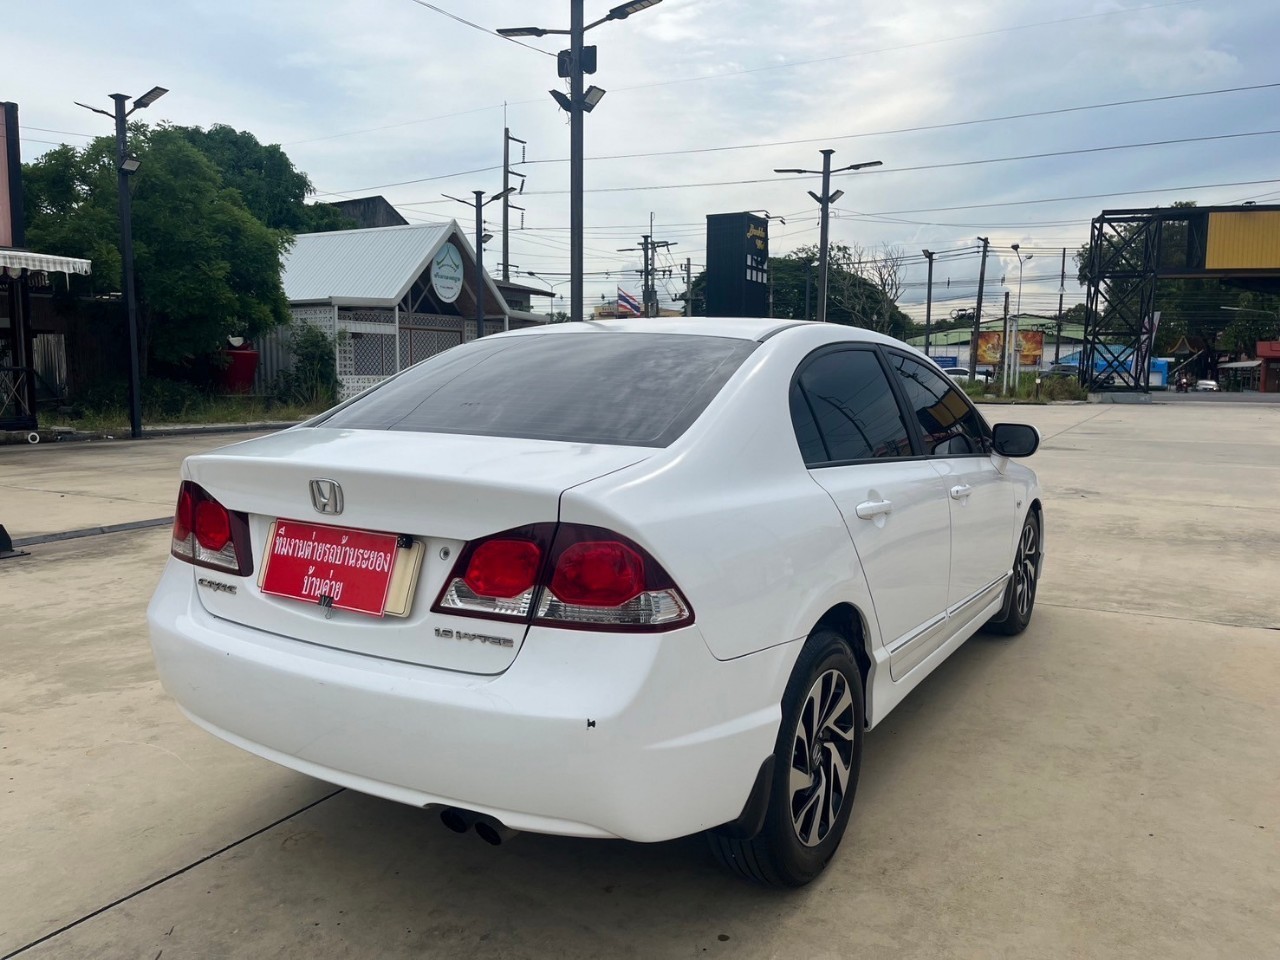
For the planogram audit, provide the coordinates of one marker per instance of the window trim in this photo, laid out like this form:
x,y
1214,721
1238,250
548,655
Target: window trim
x,y
913,423
913,433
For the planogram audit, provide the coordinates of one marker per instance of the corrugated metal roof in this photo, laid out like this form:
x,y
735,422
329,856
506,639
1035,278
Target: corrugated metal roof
x,y
373,267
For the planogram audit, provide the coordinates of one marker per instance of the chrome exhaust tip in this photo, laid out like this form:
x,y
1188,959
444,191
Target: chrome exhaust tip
x,y
493,832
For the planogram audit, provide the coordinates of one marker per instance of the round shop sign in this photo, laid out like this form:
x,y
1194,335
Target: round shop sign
x,y
446,273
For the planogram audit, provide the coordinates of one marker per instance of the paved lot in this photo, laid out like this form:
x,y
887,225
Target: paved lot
x,y
1106,785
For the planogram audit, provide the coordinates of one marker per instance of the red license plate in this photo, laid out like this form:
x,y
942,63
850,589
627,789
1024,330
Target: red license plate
x,y
311,562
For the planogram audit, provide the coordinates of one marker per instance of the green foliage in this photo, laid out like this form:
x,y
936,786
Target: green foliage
x,y
272,188
206,267
313,381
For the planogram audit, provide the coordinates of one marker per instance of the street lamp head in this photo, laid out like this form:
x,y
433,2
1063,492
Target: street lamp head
x,y
130,164
793,170
860,166
1014,248
624,10
591,97
835,196
150,97
522,32
563,100
486,237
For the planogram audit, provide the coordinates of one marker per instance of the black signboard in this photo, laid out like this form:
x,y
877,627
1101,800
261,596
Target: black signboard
x,y
737,265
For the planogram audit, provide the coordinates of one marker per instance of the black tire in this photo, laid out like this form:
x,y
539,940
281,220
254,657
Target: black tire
x,y
1020,595
778,856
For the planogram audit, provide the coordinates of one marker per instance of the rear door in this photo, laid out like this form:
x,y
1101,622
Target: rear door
x,y
957,441
894,503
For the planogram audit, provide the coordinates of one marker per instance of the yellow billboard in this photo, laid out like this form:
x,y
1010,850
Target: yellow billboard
x,y
1243,241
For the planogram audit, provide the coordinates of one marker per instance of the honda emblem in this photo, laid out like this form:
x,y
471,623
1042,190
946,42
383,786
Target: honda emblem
x,y
326,496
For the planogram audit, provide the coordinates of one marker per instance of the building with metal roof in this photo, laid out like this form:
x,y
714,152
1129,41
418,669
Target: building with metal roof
x,y
389,297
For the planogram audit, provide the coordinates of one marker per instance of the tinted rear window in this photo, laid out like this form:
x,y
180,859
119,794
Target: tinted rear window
x,y
634,389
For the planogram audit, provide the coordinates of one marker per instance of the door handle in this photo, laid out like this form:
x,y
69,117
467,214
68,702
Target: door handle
x,y
871,509
960,491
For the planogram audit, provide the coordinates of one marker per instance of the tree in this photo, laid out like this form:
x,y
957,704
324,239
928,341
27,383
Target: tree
x,y
206,267
273,189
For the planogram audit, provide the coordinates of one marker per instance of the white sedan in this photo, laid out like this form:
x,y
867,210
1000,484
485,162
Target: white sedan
x,y
638,579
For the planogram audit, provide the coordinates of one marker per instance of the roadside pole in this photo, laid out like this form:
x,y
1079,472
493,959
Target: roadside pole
x,y
977,313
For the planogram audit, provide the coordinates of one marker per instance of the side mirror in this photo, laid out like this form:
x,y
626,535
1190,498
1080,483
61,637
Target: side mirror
x,y
1015,439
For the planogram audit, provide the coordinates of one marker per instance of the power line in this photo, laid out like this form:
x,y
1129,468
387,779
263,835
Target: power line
x,y
928,166
476,26
917,129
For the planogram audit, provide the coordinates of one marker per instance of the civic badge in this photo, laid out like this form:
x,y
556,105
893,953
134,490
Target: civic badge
x,y
326,496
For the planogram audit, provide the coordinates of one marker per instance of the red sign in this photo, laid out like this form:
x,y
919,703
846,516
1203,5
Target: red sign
x,y
311,562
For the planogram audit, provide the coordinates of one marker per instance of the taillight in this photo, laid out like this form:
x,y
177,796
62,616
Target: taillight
x,y
566,575
497,577
208,534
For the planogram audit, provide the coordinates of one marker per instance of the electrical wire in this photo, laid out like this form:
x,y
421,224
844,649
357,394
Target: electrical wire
x,y
476,26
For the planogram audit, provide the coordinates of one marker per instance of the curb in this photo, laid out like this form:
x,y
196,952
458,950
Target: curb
x,y
92,531
177,430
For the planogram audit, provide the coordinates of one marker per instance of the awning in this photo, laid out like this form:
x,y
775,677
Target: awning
x,y
14,260
1240,365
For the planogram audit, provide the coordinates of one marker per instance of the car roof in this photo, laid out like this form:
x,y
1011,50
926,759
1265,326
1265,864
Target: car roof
x,y
738,328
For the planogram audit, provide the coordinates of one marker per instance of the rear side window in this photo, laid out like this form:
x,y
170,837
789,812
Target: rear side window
x,y
853,408
633,389
951,427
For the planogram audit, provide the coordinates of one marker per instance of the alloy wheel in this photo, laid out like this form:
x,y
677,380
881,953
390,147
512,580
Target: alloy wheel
x,y
821,758
1024,571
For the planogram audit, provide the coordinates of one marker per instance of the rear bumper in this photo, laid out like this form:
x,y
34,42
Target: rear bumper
x,y
643,737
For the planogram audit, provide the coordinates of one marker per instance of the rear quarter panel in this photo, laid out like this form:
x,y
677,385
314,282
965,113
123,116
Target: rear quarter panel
x,y
730,511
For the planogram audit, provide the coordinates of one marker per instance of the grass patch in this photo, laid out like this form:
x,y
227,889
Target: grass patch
x,y
114,418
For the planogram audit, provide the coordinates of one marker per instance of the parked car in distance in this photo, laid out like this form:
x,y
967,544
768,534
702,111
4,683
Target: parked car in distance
x,y
635,578
1207,386
1068,370
964,376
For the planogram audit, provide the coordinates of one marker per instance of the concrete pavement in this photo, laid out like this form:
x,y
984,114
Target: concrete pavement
x,y
1103,786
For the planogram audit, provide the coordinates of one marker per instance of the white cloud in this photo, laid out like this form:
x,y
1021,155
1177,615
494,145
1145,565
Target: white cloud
x,y
300,71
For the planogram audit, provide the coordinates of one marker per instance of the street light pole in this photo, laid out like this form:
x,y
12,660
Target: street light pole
x,y
126,263
573,64
126,166
928,302
824,202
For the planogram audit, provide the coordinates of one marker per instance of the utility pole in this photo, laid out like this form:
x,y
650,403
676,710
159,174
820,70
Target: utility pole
x,y
823,247
977,313
507,174
1062,289
824,202
808,287
1006,346
928,303
688,286
648,273
648,288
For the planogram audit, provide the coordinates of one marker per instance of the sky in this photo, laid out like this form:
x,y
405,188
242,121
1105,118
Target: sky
x,y
395,98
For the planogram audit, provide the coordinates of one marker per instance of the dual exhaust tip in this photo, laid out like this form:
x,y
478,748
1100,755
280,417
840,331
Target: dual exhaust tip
x,y
489,829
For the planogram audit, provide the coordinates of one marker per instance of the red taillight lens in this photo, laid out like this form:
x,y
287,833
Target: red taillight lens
x,y
564,575
213,525
598,574
184,517
503,568
207,534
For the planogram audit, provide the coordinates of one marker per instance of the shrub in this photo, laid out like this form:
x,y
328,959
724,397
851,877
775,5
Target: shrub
x,y
313,381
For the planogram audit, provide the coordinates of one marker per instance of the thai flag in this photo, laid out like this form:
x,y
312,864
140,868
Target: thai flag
x,y
628,305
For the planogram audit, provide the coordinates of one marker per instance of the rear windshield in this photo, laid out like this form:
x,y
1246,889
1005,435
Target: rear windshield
x,y
633,389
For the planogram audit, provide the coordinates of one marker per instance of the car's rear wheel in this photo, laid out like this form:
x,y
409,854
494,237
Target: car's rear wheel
x,y
815,774
1020,595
